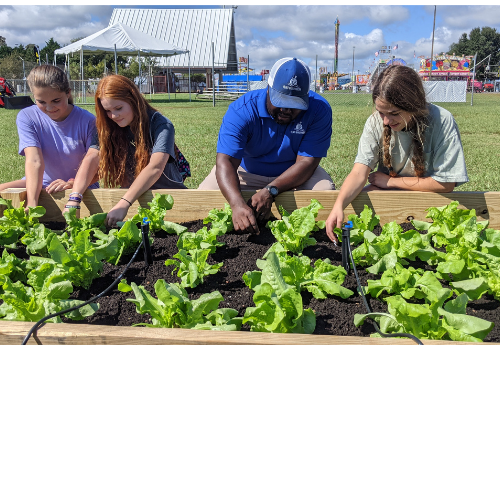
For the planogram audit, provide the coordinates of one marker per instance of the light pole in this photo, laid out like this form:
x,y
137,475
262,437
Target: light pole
x,y
352,79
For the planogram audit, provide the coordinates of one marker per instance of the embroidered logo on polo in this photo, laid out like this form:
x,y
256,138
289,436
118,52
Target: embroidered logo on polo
x,y
292,84
298,129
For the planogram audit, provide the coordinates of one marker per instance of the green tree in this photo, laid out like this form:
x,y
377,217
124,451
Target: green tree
x,y
2,41
11,66
49,49
483,41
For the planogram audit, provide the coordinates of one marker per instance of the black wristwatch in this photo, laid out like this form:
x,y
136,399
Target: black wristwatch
x,y
273,190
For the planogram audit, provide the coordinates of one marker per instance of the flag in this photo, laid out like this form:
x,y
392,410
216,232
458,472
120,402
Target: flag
x,y
37,54
395,47
376,53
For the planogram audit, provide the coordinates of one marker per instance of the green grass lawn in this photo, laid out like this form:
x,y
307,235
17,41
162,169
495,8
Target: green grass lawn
x,y
197,125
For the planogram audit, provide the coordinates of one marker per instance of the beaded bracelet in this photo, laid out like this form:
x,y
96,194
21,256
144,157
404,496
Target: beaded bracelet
x,y
127,201
78,194
75,198
72,206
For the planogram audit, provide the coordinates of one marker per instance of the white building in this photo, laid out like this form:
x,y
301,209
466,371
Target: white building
x,y
191,29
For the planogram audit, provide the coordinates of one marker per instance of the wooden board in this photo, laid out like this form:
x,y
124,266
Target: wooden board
x,y
13,333
193,204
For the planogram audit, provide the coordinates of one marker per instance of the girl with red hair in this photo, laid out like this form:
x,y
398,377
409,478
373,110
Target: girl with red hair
x,y
133,147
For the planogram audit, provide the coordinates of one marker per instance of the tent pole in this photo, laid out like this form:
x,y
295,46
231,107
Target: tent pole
x,y
213,74
116,64
168,82
189,74
140,76
81,72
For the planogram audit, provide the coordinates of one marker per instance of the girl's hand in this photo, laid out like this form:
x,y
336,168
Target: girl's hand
x,y
334,220
379,180
59,185
74,204
117,213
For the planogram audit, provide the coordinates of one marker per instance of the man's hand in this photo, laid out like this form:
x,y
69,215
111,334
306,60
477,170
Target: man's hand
x,y
262,203
244,219
379,180
59,185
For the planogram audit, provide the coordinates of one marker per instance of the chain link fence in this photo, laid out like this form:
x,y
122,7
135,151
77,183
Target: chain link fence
x,y
181,86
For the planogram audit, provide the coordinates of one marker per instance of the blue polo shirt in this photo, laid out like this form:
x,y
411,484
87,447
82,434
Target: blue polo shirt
x,y
249,133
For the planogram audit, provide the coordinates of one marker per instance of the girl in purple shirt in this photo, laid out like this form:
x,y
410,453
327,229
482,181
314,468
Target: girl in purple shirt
x,y
54,135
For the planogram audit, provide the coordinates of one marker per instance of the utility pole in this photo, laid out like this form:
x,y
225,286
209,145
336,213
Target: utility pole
x,y
432,46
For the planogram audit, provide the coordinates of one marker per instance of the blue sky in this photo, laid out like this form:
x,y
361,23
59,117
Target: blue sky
x,y
269,32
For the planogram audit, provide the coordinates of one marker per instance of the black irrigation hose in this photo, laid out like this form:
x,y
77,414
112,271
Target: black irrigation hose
x,y
43,320
367,306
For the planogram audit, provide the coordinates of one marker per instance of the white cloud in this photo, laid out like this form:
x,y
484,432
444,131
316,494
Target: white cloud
x,y
38,23
464,18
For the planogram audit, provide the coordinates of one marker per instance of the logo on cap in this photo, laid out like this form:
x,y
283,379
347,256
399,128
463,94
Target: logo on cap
x,y
292,84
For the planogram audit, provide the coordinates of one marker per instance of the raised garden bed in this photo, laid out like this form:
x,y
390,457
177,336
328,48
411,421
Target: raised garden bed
x,y
334,316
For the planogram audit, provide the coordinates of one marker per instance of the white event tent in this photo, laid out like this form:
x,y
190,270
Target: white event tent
x,y
121,39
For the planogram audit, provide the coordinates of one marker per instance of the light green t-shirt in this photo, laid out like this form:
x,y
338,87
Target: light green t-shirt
x,y
443,152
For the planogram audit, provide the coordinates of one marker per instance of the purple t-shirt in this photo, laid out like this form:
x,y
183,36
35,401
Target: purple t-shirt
x,y
63,144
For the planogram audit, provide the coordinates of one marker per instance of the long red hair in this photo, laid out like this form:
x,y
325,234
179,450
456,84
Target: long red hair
x,y
113,141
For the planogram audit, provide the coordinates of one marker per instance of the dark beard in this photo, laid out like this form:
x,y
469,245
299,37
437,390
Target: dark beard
x,y
278,120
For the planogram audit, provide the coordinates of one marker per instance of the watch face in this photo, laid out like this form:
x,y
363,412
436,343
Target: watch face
x,y
273,190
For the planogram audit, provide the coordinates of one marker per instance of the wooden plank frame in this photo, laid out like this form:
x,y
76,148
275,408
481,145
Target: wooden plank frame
x,y
194,204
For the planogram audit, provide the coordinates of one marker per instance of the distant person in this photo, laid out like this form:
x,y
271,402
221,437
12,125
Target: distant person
x,y
133,148
272,139
407,144
54,135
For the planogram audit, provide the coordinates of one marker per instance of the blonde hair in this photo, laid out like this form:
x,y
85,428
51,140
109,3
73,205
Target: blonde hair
x,y
47,76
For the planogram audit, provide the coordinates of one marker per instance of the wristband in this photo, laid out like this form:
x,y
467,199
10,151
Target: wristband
x,y
78,194
127,201
72,206
75,198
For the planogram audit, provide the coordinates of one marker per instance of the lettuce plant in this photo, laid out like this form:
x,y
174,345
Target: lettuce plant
x,y
321,280
156,212
220,219
15,222
174,309
293,230
430,321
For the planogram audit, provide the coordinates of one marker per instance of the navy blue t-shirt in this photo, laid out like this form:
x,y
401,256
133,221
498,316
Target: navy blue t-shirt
x,y
249,133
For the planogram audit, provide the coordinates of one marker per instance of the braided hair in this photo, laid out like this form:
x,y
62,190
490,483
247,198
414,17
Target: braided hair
x,y
402,87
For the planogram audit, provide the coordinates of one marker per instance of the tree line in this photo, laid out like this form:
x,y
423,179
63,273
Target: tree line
x,y
17,61
483,41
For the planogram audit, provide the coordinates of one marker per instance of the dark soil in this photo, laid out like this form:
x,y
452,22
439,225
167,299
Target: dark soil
x,y
334,316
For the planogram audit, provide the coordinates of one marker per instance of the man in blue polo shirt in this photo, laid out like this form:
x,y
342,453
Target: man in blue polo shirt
x,y
272,140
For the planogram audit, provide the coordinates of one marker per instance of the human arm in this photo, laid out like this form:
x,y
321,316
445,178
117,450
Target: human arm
x,y
34,168
294,176
148,176
85,175
227,177
351,187
384,181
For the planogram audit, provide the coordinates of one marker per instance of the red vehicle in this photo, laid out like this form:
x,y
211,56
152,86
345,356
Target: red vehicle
x,y
488,87
5,90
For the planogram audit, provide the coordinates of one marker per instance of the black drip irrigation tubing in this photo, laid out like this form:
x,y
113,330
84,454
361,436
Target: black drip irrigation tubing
x,y
346,249
147,258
